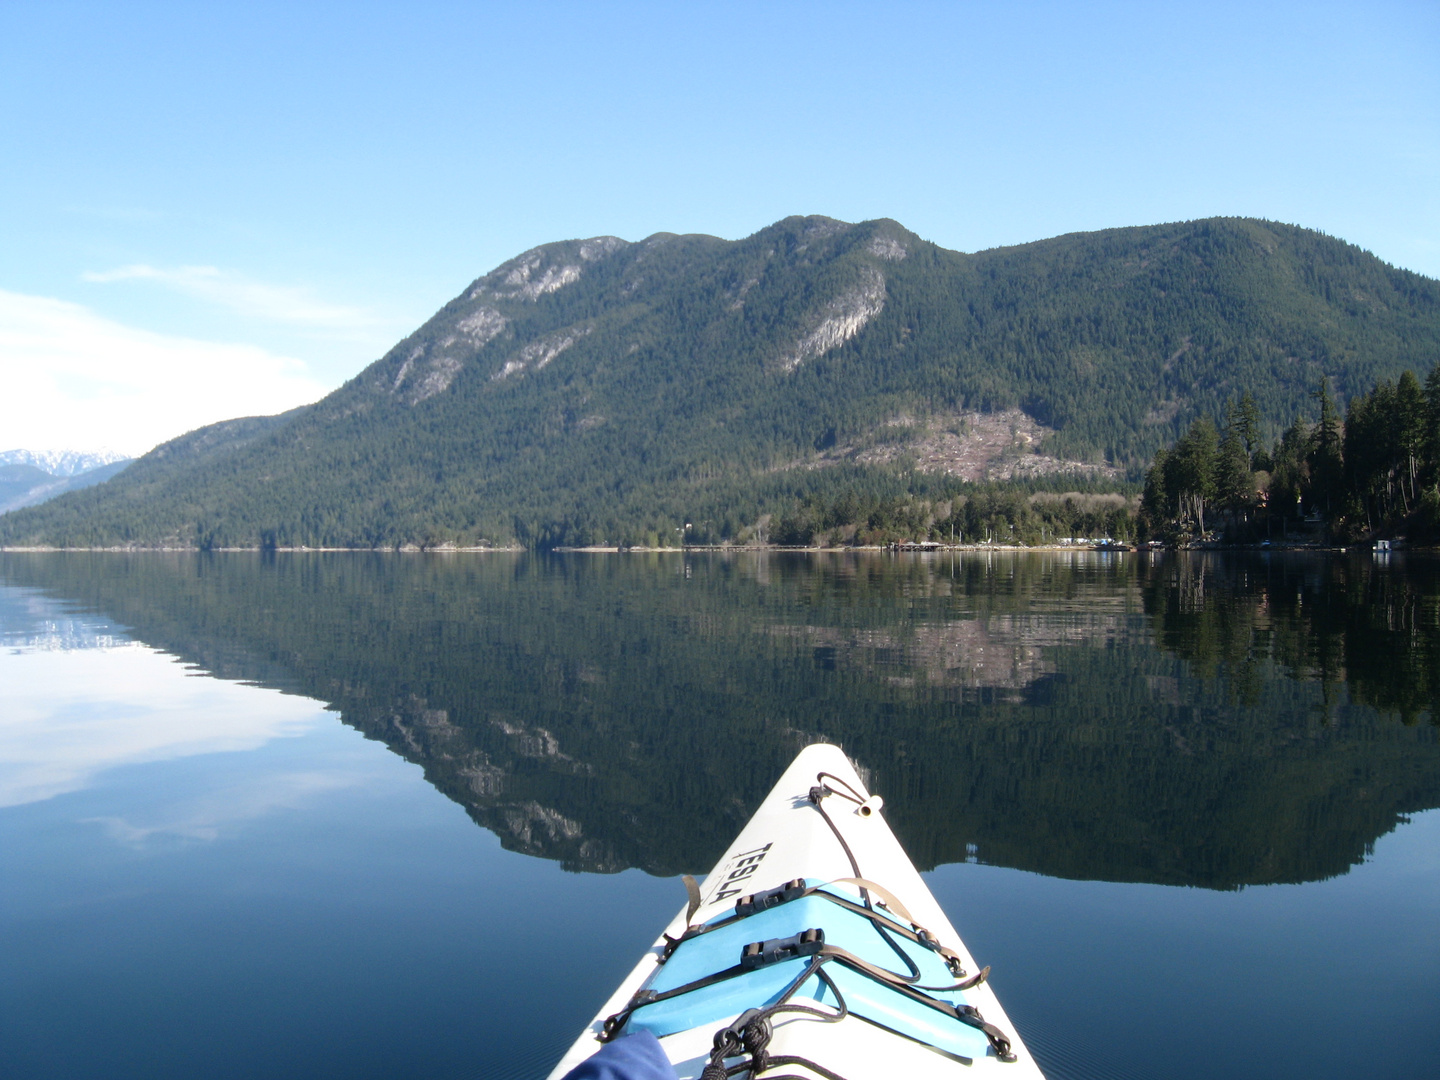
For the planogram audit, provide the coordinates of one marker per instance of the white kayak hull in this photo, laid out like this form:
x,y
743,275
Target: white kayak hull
x,y
787,839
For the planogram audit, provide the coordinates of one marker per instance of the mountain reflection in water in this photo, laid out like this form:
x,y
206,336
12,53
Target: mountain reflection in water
x,y
1211,721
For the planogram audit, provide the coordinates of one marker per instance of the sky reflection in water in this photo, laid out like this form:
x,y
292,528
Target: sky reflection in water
x,y
199,877
71,714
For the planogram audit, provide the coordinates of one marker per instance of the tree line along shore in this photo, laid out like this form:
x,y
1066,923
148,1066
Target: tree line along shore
x,y
1372,476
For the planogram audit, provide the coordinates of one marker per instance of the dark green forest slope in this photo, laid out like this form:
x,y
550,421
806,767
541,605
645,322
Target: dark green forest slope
x,y
604,391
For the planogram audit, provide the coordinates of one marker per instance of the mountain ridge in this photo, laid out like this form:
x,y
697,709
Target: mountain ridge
x,y
62,462
23,485
606,391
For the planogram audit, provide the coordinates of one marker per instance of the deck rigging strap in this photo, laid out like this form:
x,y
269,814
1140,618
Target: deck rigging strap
x,y
692,889
797,890
617,1021
811,943
917,933
889,899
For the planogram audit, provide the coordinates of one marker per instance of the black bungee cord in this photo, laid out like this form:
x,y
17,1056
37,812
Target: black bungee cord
x,y
751,1034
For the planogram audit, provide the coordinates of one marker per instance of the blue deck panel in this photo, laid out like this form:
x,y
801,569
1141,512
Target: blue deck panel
x,y
720,949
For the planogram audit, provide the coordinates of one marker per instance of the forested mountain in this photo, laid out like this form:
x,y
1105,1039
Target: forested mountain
x,y
604,391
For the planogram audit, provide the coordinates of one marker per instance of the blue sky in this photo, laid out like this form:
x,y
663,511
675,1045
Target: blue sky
x,y
215,209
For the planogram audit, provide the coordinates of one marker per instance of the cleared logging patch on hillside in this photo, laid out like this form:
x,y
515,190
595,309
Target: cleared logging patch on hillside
x,y
971,446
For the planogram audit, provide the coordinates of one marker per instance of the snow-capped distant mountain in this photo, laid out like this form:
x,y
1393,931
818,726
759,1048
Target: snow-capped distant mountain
x,y
23,484
61,462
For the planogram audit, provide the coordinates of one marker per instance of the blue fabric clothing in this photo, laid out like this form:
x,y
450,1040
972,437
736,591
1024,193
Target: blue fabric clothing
x,y
630,1057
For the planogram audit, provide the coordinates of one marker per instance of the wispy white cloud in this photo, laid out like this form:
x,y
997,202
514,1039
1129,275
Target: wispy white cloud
x,y
76,380
253,299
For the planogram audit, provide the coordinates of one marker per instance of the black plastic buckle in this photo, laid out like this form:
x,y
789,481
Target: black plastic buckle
x,y
760,954
781,894
613,1023
969,1014
673,943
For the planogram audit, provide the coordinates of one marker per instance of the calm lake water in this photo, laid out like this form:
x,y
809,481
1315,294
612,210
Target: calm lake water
x,y
380,816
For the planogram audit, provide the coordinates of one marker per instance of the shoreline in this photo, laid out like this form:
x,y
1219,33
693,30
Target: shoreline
x,y
450,549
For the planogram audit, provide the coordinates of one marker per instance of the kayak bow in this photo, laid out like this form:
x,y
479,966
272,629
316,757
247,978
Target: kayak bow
x,y
813,949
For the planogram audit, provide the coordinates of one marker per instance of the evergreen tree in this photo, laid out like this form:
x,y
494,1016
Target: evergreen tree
x,y
1431,432
1191,469
1234,483
1325,456
1410,408
1245,421
1291,476
1369,453
1156,505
